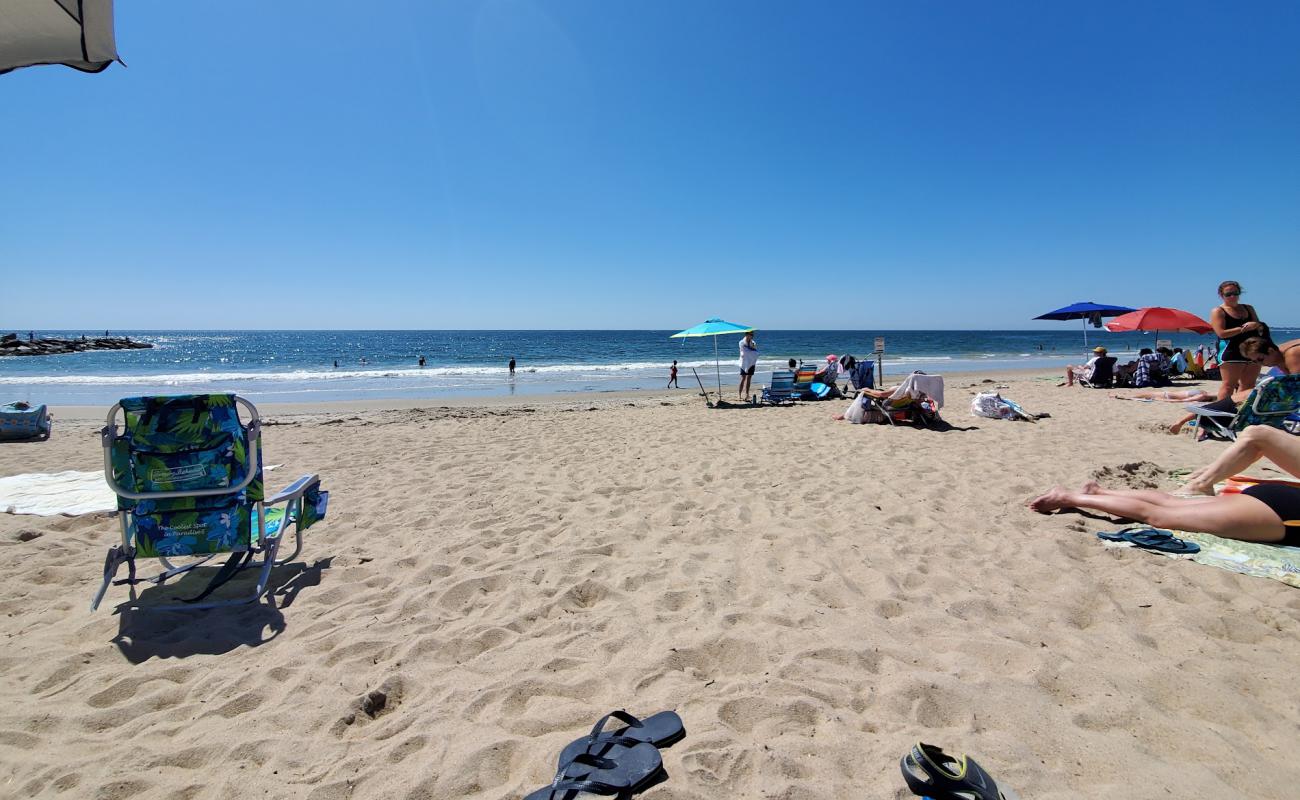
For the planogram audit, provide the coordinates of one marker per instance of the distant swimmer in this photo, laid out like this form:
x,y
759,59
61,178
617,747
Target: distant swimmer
x,y
422,361
512,366
336,363
363,360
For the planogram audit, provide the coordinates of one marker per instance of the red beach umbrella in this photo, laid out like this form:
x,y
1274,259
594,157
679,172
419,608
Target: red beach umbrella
x,y
1157,318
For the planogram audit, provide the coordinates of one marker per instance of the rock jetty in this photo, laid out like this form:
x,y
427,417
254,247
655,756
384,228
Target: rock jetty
x,y
11,345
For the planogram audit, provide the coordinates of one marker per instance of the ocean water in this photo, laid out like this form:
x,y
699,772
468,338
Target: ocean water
x,y
298,366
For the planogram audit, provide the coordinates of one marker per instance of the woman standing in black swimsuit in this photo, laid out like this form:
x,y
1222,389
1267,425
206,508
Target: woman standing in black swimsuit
x,y
1233,323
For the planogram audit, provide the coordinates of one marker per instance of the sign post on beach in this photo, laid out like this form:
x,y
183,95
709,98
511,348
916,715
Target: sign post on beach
x,y
880,361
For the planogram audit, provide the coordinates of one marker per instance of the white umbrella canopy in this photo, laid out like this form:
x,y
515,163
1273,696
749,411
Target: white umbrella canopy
x,y
74,33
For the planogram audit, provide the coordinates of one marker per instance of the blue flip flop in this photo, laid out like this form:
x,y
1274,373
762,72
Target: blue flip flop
x,y
1152,539
661,730
625,771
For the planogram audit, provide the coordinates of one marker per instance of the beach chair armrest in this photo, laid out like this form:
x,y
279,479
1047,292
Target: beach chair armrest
x,y
293,490
1202,411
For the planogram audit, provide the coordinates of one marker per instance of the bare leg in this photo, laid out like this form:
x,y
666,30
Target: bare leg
x,y
1234,516
1152,496
1177,427
1254,443
1249,376
1231,374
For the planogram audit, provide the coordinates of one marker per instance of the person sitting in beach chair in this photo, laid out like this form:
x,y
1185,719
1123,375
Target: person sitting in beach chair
x,y
1271,402
916,400
808,385
187,473
1151,370
1097,373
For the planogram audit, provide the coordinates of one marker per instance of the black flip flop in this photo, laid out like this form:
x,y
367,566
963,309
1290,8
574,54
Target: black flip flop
x,y
932,773
1152,539
661,730
628,769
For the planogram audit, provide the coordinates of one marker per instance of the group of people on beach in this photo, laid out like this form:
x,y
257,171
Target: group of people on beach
x,y
1266,512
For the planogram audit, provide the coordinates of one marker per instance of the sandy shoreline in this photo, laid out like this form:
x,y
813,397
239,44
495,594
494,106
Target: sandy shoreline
x,y
810,596
540,399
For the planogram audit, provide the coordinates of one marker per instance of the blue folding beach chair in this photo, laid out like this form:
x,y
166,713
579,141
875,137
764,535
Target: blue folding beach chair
x,y
863,375
780,389
188,477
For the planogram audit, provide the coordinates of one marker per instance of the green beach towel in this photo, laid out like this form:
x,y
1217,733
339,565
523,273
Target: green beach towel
x,y
1246,558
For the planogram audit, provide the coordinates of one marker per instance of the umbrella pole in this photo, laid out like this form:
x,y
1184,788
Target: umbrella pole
x,y
717,367
1085,334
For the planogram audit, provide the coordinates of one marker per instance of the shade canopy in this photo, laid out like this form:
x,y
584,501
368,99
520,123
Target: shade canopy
x,y
1158,318
712,327
74,33
1086,310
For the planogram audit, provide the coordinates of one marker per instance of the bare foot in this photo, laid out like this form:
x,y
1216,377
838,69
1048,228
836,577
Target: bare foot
x,y
1196,487
1091,487
1052,501
1176,428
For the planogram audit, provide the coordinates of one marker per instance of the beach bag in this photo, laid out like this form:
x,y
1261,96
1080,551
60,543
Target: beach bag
x,y
23,421
991,405
860,412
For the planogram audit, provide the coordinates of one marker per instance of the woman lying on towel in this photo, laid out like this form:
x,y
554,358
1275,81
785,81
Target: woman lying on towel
x,y
1266,512
1176,396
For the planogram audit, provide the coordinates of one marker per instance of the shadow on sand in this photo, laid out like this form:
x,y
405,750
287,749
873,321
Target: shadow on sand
x,y
144,633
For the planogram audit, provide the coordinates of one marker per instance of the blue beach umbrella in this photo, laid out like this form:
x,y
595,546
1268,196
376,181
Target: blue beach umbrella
x,y
713,327
1088,312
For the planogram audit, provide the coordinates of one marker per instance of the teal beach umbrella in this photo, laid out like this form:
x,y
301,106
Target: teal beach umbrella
x,y
713,327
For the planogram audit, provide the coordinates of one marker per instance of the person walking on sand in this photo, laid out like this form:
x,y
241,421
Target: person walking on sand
x,y
672,377
1233,323
511,365
748,362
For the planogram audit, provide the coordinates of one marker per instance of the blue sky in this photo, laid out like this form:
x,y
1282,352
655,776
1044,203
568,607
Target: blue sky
x,y
515,164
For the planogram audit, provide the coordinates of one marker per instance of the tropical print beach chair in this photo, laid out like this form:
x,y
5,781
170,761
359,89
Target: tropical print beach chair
x,y
188,477
1271,402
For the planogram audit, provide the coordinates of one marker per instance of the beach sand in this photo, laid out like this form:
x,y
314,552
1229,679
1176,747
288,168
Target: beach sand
x,y
812,597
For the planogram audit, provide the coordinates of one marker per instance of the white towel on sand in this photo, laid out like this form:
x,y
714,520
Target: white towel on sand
x,y
916,384
47,494
44,494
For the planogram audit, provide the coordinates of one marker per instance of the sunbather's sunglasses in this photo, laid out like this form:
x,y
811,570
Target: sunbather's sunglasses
x,y
1232,294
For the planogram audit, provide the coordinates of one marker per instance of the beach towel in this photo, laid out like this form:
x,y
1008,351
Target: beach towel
x,y
1246,558
916,384
72,493
48,494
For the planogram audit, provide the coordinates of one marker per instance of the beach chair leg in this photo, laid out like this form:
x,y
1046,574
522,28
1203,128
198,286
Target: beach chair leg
x,y
115,558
